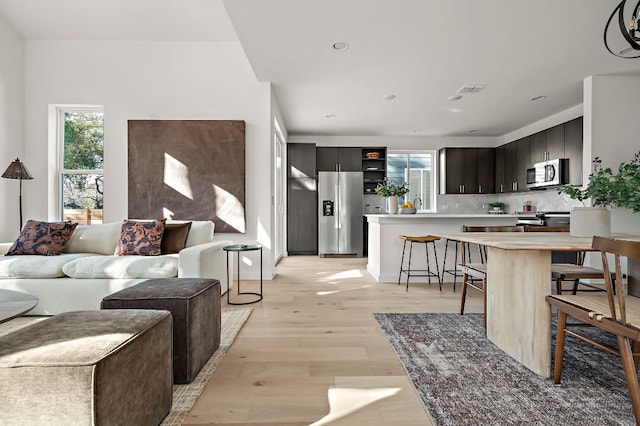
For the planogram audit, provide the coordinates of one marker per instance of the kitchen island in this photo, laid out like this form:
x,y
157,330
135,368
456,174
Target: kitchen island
x,y
385,246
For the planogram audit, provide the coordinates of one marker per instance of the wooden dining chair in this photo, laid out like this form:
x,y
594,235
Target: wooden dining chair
x,y
573,272
614,313
474,275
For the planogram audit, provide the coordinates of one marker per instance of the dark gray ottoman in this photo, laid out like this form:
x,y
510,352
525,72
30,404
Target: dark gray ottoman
x,y
88,368
195,306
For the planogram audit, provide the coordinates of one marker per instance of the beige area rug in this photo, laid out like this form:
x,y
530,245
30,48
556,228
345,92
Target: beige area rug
x,y
184,396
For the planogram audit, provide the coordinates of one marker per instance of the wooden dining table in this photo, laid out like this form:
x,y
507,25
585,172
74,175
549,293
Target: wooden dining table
x,y
518,280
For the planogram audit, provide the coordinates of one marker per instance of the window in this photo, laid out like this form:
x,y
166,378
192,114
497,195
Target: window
x,y
417,170
80,165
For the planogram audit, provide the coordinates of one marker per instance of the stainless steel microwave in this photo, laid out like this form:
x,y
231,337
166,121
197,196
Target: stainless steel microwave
x,y
548,173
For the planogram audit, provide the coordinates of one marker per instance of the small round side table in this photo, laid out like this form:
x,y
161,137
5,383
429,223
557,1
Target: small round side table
x,y
238,248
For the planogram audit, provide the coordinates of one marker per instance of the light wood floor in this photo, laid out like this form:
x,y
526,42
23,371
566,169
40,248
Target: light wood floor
x,y
311,352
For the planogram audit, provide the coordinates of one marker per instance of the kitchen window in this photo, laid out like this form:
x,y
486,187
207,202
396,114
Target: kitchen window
x,y
80,140
416,168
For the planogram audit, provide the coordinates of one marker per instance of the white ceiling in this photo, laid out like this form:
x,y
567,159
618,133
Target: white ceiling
x,y
422,51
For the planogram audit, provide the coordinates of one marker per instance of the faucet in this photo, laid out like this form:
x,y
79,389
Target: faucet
x,y
416,201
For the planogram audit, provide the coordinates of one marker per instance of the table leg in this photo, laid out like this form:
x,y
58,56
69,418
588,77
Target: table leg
x,y
518,316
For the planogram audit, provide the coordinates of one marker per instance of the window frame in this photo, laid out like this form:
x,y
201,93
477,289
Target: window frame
x,y
432,175
60,111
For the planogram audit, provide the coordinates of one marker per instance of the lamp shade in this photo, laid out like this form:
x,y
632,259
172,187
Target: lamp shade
x,y
17,170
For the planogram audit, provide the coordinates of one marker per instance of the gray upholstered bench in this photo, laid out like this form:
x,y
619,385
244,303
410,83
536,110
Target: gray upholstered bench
x,y
195,306
88,368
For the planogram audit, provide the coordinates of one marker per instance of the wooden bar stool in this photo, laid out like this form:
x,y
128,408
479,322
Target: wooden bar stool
x,y
426,239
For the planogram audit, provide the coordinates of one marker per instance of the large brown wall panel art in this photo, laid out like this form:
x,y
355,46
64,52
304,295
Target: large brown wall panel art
x,y
188,170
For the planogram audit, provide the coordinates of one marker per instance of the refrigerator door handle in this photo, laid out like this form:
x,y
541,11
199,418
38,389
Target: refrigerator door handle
x,y
337,198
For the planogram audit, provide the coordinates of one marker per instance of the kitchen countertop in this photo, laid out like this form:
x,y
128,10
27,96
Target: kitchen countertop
x,y
417,216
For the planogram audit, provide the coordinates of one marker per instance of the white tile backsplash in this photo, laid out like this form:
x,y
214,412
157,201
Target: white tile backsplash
x,y
544,200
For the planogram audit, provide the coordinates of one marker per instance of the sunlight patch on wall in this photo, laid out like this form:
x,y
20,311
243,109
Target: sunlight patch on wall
x,y
166,213
176,176
229,209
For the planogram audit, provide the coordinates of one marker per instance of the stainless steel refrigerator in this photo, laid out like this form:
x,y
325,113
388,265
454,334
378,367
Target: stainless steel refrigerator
x,y
340,224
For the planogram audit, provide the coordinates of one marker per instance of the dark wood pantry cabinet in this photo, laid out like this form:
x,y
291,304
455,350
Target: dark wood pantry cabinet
x,y
302,199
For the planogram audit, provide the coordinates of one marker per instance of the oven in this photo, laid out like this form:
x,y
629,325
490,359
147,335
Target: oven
x,y
549,219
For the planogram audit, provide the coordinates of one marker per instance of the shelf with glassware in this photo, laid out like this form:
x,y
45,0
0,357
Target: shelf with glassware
x,y
374,168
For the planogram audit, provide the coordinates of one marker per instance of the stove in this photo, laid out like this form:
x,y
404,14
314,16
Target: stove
x,y
543,218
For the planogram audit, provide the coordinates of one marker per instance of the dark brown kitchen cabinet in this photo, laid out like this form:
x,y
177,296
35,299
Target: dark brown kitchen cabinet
x,y
573,149
301,159
346,159
302,216
486,165
499,168
523,160
548,144
467,170
512,160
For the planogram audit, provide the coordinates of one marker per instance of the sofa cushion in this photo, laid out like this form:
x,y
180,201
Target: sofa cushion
x,y
164,266
42,238
34,266
201,232
100,239
141,238
175,236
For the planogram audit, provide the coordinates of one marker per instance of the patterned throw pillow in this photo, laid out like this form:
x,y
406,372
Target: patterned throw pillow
x,y
42,238
175,236
140,238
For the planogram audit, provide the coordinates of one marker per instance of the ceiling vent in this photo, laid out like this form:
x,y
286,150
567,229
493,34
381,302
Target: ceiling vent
x,y
471,88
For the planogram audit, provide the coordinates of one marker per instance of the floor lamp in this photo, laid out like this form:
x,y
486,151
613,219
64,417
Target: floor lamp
x,y
17,170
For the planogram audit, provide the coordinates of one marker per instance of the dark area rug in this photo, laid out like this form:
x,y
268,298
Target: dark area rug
x,y
464,379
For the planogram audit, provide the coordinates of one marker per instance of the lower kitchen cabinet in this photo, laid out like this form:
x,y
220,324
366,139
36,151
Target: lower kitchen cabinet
x,y
302,216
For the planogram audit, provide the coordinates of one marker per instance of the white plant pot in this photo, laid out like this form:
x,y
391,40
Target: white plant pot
x,y
392,204
590,221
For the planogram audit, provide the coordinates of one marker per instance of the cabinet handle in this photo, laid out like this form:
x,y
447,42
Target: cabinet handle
x,y
515,185
480,189
501,188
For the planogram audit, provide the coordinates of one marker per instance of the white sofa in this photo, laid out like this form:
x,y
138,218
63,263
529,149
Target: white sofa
x,y
88,271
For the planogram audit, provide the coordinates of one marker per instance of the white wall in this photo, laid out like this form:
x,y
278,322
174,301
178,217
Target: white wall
x,y
610,123
150,80
11,126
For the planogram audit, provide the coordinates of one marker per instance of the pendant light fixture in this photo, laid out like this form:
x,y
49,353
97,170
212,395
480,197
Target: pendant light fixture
x,y
629,26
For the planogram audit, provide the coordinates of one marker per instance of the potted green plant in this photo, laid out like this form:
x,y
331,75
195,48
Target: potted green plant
x,y
605,188
497,205
391,192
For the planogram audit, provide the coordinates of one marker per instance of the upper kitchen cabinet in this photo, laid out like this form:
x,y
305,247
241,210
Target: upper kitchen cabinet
x,y
523,161
512,160
486,165
374,167
548,144
301,158
467,170
573,149
346,159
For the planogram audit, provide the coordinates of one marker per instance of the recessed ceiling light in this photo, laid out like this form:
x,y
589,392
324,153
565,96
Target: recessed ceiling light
x,y
330,116
474,130
340,46
389,97
455,97
539,98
